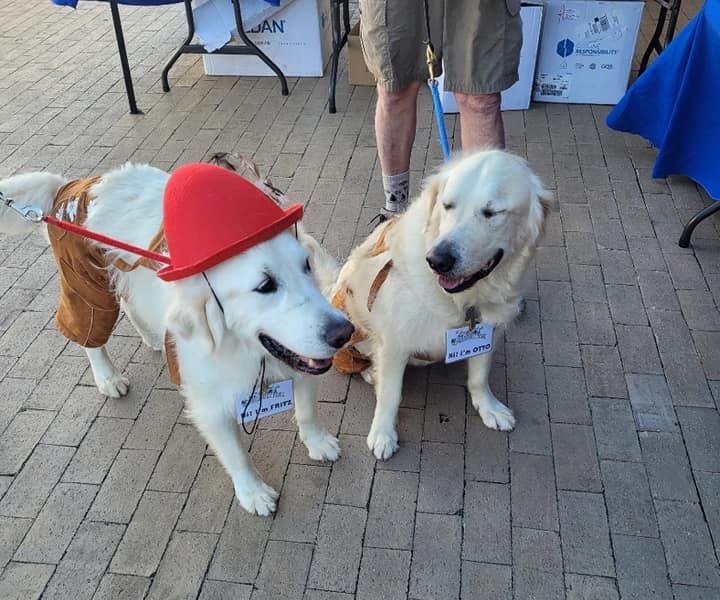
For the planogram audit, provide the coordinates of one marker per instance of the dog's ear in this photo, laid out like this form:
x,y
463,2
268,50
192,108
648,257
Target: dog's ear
x,y
430,197
542,205
198,320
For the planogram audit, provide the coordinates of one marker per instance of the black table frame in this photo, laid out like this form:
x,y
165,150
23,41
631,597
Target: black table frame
x,y
339,40
249,48
667,7
687,231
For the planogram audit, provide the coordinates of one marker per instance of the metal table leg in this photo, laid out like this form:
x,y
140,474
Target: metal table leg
x,y
673,7
248,48
684,241
339,40
180,50
255,50
123,57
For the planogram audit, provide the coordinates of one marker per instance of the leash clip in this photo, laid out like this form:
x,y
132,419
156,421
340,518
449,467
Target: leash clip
x,y
430,59
472,317
30,213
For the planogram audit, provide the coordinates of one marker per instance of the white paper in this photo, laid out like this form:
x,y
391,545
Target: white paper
x,y
277,398
461,343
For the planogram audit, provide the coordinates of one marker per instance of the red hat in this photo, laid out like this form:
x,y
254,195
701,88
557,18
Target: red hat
x,y
211,214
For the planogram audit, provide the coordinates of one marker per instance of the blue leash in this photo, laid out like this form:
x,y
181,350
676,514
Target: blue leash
x,y
439,117
431,59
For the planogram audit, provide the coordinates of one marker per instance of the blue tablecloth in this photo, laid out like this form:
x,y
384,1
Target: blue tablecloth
x,y
73,3
675,104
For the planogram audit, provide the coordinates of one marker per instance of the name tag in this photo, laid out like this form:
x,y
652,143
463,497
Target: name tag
x,y
277,398
461,343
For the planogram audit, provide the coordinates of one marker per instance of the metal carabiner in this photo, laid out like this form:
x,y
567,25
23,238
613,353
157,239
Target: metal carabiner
x,y
430,59
30,213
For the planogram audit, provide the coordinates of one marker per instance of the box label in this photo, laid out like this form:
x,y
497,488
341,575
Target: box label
x,y
555,85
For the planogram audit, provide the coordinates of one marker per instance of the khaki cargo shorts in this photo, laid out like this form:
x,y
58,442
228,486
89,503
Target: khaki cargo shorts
x,y
479,39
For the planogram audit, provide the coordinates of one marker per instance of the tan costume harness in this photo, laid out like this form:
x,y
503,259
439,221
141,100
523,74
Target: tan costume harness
x,y
89,308
349,359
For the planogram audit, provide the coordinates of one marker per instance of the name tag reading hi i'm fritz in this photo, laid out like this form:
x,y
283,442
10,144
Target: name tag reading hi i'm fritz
x,y
461,343
277,397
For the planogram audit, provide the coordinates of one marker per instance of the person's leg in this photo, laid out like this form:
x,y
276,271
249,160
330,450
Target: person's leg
x,y
481,124
393,34
482,54
395,121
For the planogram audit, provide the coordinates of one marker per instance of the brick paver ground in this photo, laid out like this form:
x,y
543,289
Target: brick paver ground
x,y
609,487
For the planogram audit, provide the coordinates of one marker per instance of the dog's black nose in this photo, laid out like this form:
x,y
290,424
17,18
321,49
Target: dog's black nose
x,y
440,260
338,333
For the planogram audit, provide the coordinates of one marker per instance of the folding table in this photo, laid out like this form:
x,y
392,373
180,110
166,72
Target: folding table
x,y
186,48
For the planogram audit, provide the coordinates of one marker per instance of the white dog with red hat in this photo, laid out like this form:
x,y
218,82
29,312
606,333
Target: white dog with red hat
x,y
237,307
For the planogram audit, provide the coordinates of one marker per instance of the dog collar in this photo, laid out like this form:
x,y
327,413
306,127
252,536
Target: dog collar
x,y
472,317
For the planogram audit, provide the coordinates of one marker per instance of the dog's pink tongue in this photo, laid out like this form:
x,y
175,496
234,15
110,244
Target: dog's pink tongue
x,y
449,283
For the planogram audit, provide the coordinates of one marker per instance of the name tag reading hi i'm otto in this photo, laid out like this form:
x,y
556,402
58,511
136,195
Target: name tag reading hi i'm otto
x,y
461,343
277,397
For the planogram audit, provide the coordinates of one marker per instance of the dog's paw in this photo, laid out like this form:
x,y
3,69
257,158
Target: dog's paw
x,y
368,376
114,386
153,343
258,498
322,445
382,443
496,415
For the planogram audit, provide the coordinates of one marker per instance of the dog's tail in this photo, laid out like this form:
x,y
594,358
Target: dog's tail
x,y
29,189
325,267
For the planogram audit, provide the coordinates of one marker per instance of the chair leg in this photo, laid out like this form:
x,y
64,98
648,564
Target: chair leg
x,y
684,241
123,57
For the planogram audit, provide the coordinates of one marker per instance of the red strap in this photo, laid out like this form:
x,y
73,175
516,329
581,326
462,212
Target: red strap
x,y
98,237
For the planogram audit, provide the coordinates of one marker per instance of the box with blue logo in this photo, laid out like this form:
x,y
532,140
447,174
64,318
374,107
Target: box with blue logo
x,y
586,51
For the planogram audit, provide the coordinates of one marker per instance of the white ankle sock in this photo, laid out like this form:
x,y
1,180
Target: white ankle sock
x,y
397,190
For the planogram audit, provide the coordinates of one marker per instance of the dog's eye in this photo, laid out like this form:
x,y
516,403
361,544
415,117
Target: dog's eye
x,y
307,267
267,287
488,214
448,206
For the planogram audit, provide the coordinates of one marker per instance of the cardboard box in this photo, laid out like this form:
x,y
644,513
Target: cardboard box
x,y
297,38
358,73
586,51
516,97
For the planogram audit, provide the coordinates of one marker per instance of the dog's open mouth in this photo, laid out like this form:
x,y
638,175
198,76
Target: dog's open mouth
x,y
312,366
453,285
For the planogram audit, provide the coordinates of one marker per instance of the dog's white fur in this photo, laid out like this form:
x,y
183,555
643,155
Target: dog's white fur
x,y
219,354
412,313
